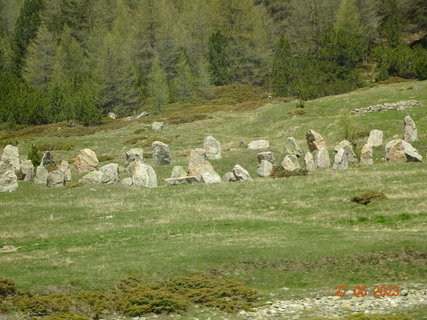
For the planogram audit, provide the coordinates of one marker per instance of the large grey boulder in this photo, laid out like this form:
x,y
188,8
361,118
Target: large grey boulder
x,y
178,172
211,177
340,162
290,163
229,177
366,155
348,148
41,175
267,156
86,161
133,155
65,168
161,153
265,169
315,141
258,144
375,138
11,155
56,179
93,177
410,132
241,173
400,150
8,178
212,147
197,163
322,159
292,147
27,169
310,164
47,159
110,174
144,176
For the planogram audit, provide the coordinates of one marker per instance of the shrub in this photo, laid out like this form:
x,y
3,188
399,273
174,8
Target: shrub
x,y
35,156
148,142
7,287
279,172
187,118
297,112
105,158
300,104
368,197
64,316
348,124
135,140
42,305
62,145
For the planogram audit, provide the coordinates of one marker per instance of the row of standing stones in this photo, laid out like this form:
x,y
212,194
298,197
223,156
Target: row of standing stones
x,y
200,170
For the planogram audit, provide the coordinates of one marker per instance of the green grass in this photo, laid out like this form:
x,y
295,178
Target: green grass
x,y
303,233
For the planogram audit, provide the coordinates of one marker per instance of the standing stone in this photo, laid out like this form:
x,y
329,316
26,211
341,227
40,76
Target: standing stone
x,y
241,174
366,155
265,168
133,155
161,153
340,162
27,169
292,147
110,173
267,156
212,147
11,155
290,163
399,150
315,141
211,177
86,161
47,160
322,159
178,172
229,177
41,175
375,138
258,144
157,126
65,168
93,177
197,164
348,148
410,130
8,178
144,176
310,165
127,182
56,179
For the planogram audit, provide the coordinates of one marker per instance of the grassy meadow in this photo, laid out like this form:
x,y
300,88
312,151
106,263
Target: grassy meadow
x,y
301,233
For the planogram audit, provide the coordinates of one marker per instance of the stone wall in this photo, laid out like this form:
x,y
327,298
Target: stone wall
x,y
401,105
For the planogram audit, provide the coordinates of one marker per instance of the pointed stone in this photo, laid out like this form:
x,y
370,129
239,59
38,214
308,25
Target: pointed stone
x,y
265,169
241,173
41,175
375,138
310,165
410,130
366,156
315,141
212,147
290,163
161,153
292,147
267,156
322,159
340,162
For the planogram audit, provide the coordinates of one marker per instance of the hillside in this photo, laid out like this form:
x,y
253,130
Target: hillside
x,y
300,233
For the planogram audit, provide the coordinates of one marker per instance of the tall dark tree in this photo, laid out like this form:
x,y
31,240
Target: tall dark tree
x,y
218,66
283,69
390,27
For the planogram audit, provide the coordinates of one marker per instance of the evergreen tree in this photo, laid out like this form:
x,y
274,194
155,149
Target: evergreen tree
x,y
25,31
218,66
391,23
76,14
204,86
40,59
283,69
183,84
158,86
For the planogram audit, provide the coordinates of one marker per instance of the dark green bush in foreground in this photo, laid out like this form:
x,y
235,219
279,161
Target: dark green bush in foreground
x,y
368,197
279,172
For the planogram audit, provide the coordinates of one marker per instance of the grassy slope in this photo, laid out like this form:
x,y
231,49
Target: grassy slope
x,y
300,232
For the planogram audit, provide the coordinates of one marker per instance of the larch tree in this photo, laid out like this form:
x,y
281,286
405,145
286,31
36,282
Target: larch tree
x,y
158,87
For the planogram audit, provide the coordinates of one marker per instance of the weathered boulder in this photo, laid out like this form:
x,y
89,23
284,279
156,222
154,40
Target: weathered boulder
x,y
315,141
229,177
47,160
56,179
27,169
340,162
258,144
86,161
126,182
290,163
178,172
267,156
181,180
110,174
322,159
41,175
156,126
375,138
265,168
161,153
348,148
65,168
144,176
212,147
400,150
366,155
133,155
8,178
410,132
292,147
197,164
93,177
310,165
211,177
241,174
11,155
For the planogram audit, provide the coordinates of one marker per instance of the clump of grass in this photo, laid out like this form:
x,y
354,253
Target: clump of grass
x,y
7,287
35,156
300,104
105,158
5,142
41,305
62,145
180,119
149,141
369,197
135,140
279,172
140,130
297,112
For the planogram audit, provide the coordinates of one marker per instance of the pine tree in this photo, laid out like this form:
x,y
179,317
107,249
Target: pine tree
x,y
391,23
218,65
183,85
283,69
76,14
158,86
25,31
203,81
40,59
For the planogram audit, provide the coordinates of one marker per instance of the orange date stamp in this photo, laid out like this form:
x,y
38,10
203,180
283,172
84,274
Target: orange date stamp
x,y
363,291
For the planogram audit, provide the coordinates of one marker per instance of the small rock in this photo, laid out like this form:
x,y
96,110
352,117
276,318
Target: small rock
x,y
157,126
241,174
178,172
229,177
47,159
27,169
93,177
56,179
322,159
211,177
86,161
110,174
340,162
366,156
182,180
258,144
134,154
267,156
41,175
144,176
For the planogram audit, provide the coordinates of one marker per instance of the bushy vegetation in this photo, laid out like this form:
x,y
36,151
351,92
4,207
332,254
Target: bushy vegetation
x,y
369,197
360,316
279,172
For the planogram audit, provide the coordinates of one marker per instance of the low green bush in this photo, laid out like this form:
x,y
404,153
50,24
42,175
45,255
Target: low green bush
x,y
297,112
7,287
279,172
64,316
61,145
369,197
